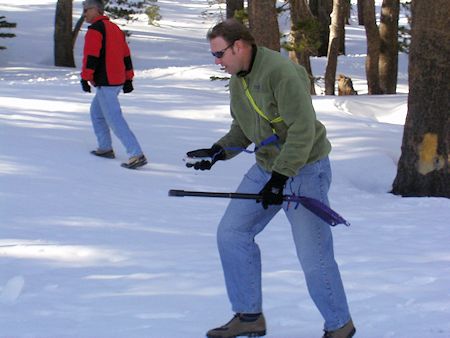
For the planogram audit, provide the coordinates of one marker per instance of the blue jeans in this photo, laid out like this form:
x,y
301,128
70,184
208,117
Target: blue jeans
x,y
240,255
105,114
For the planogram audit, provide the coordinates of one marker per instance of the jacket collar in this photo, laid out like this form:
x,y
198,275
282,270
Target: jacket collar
x,y
243,73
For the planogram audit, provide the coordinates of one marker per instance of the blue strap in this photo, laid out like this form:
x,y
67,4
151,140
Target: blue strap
x,y
271,139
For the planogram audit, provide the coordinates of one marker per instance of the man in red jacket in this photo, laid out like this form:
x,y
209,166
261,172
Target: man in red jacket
x,y
107,66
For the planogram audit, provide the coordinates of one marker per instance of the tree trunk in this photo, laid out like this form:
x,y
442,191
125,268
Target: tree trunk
x,y
263,22
337,20
321,9
347,12
373,48
361,12
346,18
300,13
77,29
388,63
423,168
233,6
63,34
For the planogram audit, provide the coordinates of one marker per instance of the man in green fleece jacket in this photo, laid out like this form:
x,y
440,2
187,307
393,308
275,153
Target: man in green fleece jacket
x,y
272,108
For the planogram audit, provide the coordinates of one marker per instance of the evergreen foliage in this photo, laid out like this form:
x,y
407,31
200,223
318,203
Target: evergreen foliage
x,y
127,9
6,24
404,32
152,12
241,15
309,33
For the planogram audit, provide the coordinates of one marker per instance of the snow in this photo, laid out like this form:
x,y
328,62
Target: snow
x,y
89,249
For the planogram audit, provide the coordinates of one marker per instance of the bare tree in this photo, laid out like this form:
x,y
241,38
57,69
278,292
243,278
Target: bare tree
x,y
388,62
382,47
423,169
63,34
337,21
360,6
263,22
321,9
303,44
233,6
347,12
346,18
373,48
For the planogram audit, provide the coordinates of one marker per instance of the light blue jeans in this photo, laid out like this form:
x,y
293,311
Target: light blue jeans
x,y
105,114
240,255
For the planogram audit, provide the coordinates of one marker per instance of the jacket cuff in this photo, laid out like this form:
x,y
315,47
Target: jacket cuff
x,y
219,152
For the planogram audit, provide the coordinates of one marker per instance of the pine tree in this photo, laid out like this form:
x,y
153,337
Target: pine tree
x,y
6,24
263,22
125,9
424,167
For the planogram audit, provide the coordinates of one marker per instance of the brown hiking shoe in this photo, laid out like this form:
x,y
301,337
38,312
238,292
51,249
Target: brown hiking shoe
x,y
135,162
240,325
347,331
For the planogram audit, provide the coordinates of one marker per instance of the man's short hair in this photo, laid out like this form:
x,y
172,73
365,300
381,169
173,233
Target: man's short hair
x,y
231,30
94,3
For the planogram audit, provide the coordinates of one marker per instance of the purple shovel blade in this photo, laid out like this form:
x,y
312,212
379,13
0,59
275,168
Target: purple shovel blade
x,y
321,210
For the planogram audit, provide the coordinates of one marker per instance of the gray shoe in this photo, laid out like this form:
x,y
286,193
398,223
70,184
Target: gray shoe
x,y
240,325
347,331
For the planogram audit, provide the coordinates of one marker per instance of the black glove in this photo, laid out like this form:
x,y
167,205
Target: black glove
x,y
214,154
128,86
272,193
85,86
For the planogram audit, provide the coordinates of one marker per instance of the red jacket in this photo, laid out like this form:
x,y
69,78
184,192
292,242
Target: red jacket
x,y
106,56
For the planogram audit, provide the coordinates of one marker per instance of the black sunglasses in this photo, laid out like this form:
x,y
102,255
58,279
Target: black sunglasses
x,y
219,54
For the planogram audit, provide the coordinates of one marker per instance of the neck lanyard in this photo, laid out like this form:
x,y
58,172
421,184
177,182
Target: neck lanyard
x,y
273,139
255,106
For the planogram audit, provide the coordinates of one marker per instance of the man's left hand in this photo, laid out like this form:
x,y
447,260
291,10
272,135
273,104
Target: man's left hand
x,y
128,87
272,193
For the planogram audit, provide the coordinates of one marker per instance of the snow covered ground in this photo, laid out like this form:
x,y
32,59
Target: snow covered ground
x,y
89,249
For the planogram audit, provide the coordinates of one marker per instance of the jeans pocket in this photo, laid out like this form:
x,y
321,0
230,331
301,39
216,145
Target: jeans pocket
x,y
313,181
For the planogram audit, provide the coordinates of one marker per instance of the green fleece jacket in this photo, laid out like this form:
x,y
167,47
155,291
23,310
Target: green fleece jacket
x,y
279,87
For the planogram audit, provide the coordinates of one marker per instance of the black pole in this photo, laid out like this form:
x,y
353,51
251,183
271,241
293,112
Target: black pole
x,y
182,193
318,208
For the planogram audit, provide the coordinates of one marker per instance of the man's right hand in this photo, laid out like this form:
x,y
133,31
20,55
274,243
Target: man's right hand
x,y
204,159
272,193
85,85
